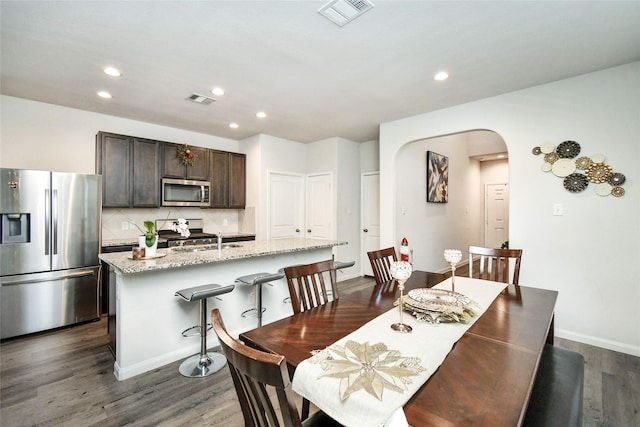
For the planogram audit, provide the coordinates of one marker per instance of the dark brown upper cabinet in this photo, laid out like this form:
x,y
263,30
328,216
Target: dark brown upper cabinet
x,y
146,173
130,169
228,179
174,168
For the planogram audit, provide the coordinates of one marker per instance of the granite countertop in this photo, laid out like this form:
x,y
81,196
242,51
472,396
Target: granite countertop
x,y
182,257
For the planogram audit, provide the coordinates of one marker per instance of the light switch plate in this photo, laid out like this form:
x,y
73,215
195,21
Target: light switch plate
x,y
558,209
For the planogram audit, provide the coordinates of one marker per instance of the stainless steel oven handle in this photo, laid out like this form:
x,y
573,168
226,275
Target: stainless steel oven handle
x,y
202,193
47,220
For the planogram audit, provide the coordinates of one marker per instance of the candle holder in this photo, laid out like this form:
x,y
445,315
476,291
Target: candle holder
x,y
453,257
401,271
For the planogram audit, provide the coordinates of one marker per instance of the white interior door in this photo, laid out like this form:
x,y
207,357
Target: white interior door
x,y
319,205
496,215
286,205
370,191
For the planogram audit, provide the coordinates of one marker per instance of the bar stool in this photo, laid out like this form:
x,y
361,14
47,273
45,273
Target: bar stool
x,y
204,363
257,280
339,265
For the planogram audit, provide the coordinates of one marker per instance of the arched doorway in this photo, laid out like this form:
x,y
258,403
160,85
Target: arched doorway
x,y
473,164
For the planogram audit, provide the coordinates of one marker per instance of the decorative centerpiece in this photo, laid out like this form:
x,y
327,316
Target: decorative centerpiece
x,y
453,257
186,155
182,227
401,271
148,239
437,306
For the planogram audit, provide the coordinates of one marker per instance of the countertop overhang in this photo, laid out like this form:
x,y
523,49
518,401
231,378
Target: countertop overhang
x,y
171,258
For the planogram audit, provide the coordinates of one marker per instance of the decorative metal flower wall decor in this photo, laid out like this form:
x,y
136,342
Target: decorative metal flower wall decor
x,y
560,161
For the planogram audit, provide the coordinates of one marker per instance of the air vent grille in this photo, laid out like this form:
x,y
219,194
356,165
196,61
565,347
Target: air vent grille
x,y
200,99
341,12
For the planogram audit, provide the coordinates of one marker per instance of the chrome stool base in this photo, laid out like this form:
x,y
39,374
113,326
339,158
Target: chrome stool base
x,y
204,363
198,366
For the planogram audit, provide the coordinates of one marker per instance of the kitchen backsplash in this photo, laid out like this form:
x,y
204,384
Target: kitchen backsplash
x,y
215,220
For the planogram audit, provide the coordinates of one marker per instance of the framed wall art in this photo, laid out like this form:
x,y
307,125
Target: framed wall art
x,y
437,178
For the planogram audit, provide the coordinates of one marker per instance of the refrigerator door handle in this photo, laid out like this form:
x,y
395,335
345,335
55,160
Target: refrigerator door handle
x,y
47,221
54,210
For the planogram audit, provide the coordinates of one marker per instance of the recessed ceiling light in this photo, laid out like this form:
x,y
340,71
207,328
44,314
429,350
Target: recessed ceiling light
x,y
104,94
234,125
441,76
113,72
261,114
217,91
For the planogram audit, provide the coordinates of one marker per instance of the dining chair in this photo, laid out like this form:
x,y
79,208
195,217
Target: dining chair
x,y
308,286
494,264
381,263
255,373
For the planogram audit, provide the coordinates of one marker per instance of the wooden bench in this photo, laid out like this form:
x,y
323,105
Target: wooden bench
x,y
556,399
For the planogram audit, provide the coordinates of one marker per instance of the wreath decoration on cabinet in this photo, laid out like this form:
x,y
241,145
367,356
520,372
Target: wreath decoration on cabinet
x,y
578,172
186,155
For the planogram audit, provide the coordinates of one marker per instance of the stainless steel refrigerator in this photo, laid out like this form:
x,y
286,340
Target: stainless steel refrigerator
x,y
49,244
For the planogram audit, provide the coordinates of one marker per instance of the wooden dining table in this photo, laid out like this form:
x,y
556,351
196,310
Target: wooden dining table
x,y
485,380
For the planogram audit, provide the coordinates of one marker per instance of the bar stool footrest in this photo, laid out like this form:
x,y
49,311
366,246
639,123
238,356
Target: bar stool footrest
x,y
252,310
196,329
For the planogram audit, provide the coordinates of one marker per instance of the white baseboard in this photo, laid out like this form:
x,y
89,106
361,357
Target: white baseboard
x,y
343,276
598,342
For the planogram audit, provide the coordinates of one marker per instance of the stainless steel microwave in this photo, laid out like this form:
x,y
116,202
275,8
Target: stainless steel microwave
x,y
183,192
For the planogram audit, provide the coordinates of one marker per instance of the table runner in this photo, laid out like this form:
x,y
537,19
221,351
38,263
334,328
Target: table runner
x,y
429,343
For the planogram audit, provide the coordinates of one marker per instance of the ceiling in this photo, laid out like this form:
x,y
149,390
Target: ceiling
x,y
314,79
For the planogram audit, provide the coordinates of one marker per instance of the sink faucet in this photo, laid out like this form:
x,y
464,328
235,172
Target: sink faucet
x,y
219,240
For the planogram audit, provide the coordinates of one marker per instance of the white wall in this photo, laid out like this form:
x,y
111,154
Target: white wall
x,y
277,155
432,227
341,157
591,255
35,135
348,206
370,156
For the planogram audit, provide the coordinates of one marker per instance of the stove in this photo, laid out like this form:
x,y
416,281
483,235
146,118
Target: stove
x,y
197,236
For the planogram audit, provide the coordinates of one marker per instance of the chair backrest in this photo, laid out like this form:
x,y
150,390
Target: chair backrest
x,y
254,373
494,264
308,287
381,262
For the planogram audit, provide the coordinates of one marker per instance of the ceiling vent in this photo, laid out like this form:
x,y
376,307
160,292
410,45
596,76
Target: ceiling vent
x,y
341,12
200,99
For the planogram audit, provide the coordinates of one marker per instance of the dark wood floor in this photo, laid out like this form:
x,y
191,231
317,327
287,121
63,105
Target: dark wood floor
x,y
65,377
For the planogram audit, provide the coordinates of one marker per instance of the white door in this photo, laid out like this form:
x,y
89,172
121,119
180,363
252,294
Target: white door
x,y
497,215
370,191
319,206
286,205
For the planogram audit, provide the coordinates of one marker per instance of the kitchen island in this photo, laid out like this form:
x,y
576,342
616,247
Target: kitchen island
x,y
150,318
